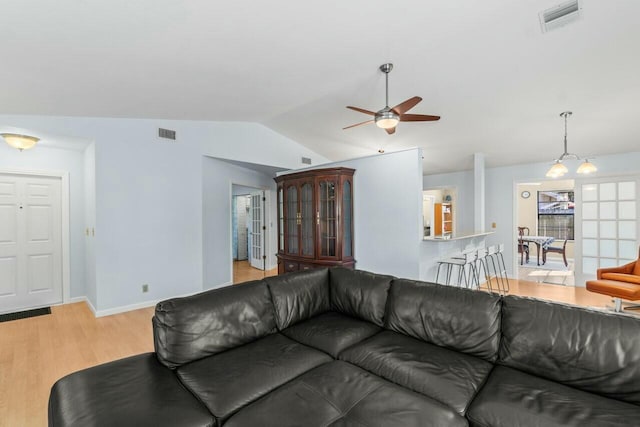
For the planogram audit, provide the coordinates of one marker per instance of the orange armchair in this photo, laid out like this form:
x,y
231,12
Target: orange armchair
x,y
619,283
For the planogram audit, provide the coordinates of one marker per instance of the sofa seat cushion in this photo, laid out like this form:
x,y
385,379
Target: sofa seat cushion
x,y
331,332
135,391
512,398
444,375
621,277
340,394
230,380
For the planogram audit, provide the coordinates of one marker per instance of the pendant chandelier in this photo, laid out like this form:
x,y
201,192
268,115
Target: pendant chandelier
x,y
559,169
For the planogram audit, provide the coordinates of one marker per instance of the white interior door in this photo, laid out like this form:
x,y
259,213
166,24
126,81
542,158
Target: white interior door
x,y
30,242
257,232
607,226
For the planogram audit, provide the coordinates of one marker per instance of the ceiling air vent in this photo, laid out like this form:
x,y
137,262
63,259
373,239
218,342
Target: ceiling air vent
x,y
306,160
560,15
167,134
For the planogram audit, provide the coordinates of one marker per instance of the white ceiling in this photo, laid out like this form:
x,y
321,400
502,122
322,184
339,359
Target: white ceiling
x,y
498,82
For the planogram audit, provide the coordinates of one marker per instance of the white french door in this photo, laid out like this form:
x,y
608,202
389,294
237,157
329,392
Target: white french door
x,y
30,242
606,223
257,230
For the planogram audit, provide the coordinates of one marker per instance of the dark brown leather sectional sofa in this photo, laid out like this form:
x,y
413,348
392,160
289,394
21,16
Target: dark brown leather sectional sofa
x,y
350,348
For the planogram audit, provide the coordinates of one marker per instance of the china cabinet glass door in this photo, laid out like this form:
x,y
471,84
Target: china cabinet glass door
x,y
327,218
306,219
293,220
347,249
281,218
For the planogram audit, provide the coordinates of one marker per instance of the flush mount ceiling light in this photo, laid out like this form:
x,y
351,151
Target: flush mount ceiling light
x,y
21,142
559,169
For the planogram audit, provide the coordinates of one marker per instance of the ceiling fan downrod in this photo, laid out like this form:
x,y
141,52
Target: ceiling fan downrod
x,y
386,69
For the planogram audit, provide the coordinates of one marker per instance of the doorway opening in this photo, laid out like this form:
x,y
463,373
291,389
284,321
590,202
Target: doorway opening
x,y
249,207
545,232
439,212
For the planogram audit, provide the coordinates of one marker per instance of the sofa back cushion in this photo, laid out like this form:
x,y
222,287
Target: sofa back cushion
x,y
594,351
459,319
299,296
359,293
187,329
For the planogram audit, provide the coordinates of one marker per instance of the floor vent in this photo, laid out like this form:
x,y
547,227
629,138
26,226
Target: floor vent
x,y
167,134
560,15
25,314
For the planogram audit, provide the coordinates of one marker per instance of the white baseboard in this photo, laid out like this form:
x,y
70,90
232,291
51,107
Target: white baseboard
x,y
124,308
136,306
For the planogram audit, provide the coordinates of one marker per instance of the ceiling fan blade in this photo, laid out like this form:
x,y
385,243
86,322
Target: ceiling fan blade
x,y
391,131
418,118
406,105
358,124
361,110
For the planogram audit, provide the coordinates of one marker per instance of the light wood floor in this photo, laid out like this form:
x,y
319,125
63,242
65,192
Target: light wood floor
x,y
243,272
35,352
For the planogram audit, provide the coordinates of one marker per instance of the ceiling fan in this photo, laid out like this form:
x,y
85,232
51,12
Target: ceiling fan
x,y
388,118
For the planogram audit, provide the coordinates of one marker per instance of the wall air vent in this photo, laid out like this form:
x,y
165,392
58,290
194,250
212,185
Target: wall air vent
x,y
167,134
560,15
306,161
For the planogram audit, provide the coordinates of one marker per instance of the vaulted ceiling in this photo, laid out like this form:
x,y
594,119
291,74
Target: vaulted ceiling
x,y
486,67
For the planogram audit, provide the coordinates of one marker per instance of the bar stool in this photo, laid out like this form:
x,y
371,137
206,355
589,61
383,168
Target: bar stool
x,y
503,266
492,257
462,261
481,263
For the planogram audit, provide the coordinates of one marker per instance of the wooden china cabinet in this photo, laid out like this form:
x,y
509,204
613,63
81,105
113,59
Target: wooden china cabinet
x,y
315,219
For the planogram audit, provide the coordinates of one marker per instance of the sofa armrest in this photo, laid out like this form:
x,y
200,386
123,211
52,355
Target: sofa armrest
x,y
136,391
624,269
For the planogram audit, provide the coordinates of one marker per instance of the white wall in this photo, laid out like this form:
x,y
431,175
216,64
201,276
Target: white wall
x,y
42,158
387,198
217,180
149,198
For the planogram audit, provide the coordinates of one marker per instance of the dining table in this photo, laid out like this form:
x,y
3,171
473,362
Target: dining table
x,y
539,241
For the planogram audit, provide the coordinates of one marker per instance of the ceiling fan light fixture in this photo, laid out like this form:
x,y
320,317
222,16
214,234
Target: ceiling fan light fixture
x,y
20,142
387,119
587,167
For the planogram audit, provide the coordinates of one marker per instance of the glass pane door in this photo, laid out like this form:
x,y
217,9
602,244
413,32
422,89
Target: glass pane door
x,y
347,250
307,219
609,224
293,220
281,219
327,218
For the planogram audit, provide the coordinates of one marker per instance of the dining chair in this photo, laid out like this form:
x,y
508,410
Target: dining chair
x,y
556,249
523,247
